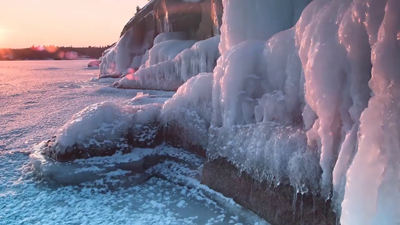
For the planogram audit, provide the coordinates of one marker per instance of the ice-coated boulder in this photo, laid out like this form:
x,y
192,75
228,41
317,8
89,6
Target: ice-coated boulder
x,y
105,128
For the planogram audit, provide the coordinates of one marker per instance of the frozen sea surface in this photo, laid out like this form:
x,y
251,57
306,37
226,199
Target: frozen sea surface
x,y
36,99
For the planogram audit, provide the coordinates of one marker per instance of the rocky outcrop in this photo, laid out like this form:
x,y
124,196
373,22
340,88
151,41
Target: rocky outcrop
x,y
177,16
216,14
193,20
200,19
174,136
278,205
145,12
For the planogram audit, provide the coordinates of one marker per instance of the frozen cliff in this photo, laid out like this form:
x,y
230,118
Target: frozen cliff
x,y
294,92
165,44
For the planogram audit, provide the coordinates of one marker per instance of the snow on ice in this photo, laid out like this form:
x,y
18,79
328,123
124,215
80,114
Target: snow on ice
x,y
98,190
310,96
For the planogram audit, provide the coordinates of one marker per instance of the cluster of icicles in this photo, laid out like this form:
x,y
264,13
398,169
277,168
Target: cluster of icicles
x,y
337,70
167,65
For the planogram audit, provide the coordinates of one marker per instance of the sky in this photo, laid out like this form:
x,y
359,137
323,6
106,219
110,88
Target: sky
x,y
79,23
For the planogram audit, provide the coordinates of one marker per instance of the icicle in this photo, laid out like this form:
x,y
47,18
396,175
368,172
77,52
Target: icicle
x,y
372,194
294,205
301,208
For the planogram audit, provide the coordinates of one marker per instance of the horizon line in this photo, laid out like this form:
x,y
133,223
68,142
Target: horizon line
x,y
63,46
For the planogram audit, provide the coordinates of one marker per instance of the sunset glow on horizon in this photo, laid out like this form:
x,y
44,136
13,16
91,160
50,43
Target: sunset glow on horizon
x,y
77,23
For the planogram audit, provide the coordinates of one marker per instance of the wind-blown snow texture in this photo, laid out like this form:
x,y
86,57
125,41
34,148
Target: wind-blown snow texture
x,y
319,75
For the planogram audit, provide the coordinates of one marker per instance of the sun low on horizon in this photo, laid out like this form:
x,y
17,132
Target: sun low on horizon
x,y
24,23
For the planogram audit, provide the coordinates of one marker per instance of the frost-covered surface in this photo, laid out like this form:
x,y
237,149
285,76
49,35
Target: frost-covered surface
x,y
320,75
91,169
173,62
37,98
189,110
95,125
115,195
268,152
106,127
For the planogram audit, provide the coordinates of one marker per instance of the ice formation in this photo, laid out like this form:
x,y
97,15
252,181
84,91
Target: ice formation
x,y
307,97
127,53
107,65
372,193
170,63
316,75
144,99
263,19
105,127
170,36
97,123
190,105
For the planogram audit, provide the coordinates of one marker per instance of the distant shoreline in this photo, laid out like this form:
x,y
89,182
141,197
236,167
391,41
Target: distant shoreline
x,y
15,60
52,53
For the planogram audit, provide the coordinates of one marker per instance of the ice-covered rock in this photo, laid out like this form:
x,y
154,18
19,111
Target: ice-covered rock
x,y
172,63
257,19
313,106
259,81
269,152
187,116
144,99
167,50
107,65
170,36
127,53
319,74
105,128
104,121
95,63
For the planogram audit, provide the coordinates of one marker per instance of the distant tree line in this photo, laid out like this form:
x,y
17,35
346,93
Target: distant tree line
x,y
51,52
137,9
